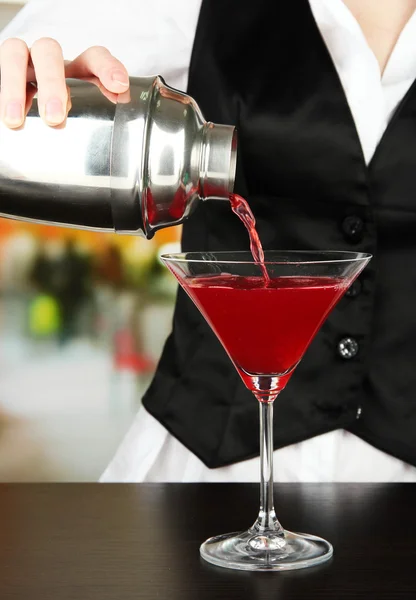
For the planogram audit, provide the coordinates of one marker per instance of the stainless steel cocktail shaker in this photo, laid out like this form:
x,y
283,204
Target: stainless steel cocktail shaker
x,y
131,167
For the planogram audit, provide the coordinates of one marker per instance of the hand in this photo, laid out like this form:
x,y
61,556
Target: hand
x,y
42,70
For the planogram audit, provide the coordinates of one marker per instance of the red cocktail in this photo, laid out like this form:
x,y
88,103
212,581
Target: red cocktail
x,y
265,316
264,327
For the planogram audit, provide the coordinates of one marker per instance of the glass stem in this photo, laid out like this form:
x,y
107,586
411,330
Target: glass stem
x,y
267,520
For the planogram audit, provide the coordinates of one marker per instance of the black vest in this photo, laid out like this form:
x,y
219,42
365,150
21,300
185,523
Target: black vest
x,y
264,67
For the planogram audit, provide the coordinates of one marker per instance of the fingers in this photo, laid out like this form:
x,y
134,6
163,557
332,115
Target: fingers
x,y
14,57
44,64
98,62
48,63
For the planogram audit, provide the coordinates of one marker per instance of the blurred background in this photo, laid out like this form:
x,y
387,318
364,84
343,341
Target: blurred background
x,y
83,320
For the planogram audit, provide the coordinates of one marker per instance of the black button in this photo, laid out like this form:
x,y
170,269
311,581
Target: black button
x,y
348,348
355,289
353,229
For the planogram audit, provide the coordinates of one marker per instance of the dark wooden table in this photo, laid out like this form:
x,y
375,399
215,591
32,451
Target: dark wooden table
x,y
119,542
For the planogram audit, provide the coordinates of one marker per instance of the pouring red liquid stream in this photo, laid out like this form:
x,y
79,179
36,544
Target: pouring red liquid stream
x,y
241,208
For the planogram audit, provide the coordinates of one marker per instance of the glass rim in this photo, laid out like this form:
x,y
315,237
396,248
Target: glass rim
x,y
182,257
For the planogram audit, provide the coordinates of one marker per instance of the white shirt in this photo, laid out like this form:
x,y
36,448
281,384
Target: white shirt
x,y
156,38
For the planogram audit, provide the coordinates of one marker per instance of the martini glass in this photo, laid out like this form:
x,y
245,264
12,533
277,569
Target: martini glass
x,y
266,327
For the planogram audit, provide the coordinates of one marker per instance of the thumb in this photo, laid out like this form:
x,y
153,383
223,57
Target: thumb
x,y
100,63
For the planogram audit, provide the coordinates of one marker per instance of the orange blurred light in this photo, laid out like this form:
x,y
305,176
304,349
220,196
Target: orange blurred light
x,y
94,240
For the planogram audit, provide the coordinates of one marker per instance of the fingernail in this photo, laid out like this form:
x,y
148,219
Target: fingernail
x,y
14,113
54,111
120,77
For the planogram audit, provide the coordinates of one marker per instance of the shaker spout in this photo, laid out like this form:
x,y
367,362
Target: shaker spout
x,y
218,161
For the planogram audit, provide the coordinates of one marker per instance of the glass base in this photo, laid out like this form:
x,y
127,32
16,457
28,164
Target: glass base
x,y
252,551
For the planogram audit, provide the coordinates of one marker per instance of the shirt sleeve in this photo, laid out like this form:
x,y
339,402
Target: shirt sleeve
x,y
151,37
